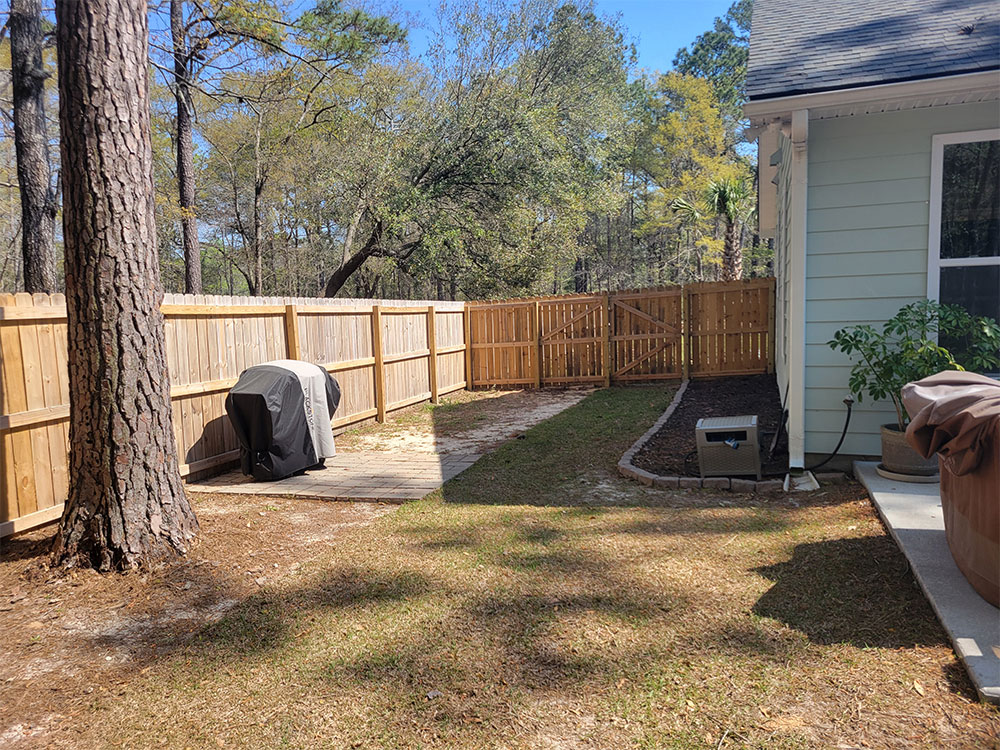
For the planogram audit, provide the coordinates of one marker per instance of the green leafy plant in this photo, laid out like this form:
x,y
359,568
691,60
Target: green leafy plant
x,y
921,339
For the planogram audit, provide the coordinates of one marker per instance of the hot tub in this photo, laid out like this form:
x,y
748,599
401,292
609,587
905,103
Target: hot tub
x,y
957,416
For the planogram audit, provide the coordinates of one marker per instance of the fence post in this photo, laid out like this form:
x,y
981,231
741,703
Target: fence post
x,y
292,331
432,361
379,365
685,333
467,318
537,333
607,340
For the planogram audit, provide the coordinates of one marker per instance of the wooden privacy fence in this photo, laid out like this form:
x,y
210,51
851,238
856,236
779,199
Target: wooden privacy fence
x,y
700,330
384,357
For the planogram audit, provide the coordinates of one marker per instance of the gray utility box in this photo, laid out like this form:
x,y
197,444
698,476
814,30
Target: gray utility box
x,y
728,446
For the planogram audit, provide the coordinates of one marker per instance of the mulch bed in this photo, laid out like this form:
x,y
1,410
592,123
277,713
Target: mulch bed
x,y
666,451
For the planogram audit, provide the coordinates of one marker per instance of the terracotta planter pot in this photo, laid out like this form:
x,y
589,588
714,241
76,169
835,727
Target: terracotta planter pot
x,y
900,458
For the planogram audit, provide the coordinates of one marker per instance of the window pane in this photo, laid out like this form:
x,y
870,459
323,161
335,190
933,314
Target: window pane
x,y
970,200
976,288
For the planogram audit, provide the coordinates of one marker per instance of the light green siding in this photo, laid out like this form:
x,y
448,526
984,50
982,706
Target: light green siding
x,y
866,251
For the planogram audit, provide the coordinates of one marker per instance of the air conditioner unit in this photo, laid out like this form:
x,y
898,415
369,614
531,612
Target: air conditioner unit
x,y
728,446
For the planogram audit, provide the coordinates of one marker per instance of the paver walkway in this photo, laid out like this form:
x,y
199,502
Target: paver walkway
x,y
364,475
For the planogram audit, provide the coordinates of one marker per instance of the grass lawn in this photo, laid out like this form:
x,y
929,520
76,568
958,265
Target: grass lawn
x,y
540,601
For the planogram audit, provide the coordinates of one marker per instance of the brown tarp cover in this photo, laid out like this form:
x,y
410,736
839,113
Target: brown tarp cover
x,y
957,416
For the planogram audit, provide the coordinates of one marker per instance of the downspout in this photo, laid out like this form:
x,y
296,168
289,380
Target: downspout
x,y
798,208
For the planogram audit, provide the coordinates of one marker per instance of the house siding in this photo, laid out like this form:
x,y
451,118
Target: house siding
x,y
868,197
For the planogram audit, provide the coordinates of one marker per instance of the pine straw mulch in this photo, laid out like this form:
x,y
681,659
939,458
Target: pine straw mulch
x,y
670,452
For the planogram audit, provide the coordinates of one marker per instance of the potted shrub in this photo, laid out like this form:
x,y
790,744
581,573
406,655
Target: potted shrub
x,y
921,339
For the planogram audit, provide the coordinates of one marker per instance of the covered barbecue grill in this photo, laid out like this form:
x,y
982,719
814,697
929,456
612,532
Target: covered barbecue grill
x,y
281,414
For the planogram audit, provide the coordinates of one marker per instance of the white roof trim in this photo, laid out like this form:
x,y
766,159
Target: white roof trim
x,y
889,97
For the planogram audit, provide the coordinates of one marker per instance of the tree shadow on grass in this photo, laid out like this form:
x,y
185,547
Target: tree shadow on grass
x,y
857,591
661,522
509,622
266,620
957,678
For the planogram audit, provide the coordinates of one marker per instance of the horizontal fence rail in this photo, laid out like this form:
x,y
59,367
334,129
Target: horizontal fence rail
x,y
385,355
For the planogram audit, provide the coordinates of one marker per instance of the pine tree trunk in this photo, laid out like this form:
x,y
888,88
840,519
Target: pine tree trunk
x,y
34,174
126,504
185,151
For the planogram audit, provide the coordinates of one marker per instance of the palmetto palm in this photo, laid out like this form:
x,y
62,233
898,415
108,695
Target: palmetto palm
x,y
732,199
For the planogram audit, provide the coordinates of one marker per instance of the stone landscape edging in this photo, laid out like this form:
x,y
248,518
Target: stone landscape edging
x,y
627,469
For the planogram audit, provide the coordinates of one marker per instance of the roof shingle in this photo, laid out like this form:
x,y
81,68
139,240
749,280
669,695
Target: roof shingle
x,y
804,46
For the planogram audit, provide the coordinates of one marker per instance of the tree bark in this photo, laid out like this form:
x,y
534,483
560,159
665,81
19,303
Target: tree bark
x,y
31,144
185,150
352,230
126,505
352,264
732,254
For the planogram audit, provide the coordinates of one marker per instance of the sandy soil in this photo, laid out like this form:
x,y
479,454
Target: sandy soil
x,y
81,633
473,422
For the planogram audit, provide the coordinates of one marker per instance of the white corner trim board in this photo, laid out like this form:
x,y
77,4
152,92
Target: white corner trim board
x,y
797,235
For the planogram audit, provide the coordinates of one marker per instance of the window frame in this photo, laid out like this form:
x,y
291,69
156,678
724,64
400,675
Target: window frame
x,y
934,260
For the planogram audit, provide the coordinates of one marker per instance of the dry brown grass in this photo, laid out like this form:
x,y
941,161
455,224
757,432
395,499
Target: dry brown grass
x,y
482,617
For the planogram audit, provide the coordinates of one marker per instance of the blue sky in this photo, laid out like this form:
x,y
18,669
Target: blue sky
x,y
658,28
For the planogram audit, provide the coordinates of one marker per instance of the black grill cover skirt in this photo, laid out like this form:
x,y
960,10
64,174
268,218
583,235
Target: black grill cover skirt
x,y
267,410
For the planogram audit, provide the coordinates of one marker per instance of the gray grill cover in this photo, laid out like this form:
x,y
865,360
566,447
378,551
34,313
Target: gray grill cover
x,y
267,410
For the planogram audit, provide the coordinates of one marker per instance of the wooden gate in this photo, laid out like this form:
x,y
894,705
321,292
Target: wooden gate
x,y
646,341
502,348
571,339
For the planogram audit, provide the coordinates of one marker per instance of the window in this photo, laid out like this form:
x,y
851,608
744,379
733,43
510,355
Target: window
x,y
964,239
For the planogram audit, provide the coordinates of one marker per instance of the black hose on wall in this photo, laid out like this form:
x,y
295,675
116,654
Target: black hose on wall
x,y
849,403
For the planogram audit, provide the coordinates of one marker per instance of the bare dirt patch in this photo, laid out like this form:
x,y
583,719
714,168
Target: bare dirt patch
x,y
72,637
464,422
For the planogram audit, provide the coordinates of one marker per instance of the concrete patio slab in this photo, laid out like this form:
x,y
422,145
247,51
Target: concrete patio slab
x,y
375,476
912,513
398,462
384,477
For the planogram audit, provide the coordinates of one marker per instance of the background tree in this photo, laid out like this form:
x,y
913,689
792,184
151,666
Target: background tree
x,y
720,56
31,143
521,153
733,200
687,151
126,503
184,57
496,169
236,56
